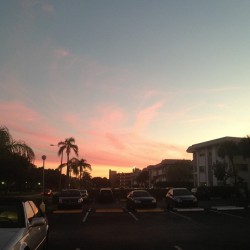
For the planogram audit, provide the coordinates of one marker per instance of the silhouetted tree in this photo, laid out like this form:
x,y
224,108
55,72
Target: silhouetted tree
x,y
10,146
244,147
78,166
143,178
179,173
221,171
15,160
68,145
99,182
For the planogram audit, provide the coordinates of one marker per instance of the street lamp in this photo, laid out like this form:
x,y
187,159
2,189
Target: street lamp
x,y
42,206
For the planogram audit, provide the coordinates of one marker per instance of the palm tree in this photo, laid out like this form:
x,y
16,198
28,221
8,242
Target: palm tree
x,y
78,167
9,146
67,146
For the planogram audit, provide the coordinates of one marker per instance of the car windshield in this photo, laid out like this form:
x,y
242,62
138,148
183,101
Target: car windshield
x,y
141,194
71,193
179,192
11,215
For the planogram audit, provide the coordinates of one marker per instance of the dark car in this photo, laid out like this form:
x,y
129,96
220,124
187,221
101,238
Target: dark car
x,y
140,199
180,197
105,195
70,198
22,225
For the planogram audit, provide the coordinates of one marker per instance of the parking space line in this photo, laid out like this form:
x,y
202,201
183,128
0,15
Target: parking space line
x,y
180,215
189,209
177,247
109,210
224,208
86,215
67,211
232,215
133,216
155,210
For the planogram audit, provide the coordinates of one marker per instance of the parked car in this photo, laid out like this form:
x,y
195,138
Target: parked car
x,y
70,198
22,225
180,197
140,199
106,195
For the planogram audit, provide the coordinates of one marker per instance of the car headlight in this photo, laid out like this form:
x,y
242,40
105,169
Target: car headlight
x,y
154,201
80,200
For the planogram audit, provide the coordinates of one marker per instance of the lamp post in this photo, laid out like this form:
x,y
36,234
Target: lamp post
x,y
42,206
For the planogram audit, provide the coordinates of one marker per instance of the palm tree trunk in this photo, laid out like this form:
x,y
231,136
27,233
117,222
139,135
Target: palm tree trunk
x,y
68,183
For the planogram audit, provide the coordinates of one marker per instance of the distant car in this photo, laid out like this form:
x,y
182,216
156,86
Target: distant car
x,y
180,197
70,198
85,194
106,195
140,199
22,225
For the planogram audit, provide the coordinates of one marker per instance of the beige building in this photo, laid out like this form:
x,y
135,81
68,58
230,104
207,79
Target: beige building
x,y
205,154
123,180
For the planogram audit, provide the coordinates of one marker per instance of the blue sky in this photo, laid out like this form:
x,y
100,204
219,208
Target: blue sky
x,y
134,82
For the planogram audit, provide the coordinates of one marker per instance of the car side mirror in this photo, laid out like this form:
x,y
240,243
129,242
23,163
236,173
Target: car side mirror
x,y
37,221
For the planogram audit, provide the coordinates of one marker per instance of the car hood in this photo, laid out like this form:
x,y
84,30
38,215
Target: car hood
x,y
186,197
8,235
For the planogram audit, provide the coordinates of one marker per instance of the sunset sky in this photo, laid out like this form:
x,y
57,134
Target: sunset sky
x,y
134,82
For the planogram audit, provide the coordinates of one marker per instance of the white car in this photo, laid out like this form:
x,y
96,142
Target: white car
x,y
22,225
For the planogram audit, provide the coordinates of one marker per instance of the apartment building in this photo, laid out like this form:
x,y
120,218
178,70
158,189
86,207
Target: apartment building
x,y
123,180
158,172
205,154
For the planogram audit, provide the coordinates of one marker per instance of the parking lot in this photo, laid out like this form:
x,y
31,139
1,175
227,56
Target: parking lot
x,y
215,225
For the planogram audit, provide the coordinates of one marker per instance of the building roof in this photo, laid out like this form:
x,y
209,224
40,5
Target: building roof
x,y
214,142
167,162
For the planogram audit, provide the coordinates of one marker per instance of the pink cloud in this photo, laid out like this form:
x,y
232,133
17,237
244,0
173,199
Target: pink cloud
x,y
107,118
115,141
145,116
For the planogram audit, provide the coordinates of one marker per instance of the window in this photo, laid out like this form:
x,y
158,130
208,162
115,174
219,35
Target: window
x,y
37,212
29,211
202,169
